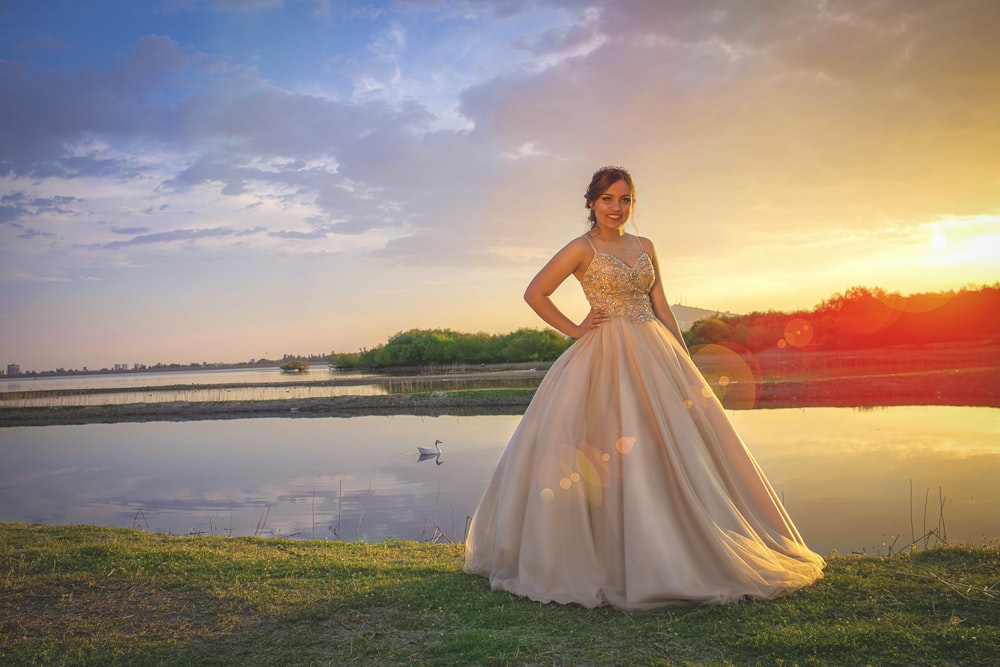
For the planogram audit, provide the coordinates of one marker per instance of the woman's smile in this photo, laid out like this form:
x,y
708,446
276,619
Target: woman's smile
x,y
613,207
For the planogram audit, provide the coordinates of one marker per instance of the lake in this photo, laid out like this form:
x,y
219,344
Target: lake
x,y
853,480
241,384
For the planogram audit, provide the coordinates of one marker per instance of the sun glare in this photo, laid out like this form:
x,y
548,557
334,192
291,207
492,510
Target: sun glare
x,y
938,241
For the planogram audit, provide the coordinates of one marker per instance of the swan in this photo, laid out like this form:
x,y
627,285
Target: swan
x,y
427,451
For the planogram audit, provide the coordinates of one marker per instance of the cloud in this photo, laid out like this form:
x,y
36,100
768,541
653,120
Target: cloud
x,y
57,109
130,231
33,278
17,205
742,97
431,135
176,235
352,165
571,40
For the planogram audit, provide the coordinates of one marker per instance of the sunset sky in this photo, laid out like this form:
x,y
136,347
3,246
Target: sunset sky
x,y
219,180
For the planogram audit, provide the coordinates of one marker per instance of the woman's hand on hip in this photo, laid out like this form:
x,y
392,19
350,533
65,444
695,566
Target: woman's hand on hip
x,y
595,318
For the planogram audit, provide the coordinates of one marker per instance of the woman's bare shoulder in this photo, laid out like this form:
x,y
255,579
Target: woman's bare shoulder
x,y
575,256
578,247
647,245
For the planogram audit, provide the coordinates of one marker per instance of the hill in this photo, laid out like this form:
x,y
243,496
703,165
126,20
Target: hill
x,y
688,315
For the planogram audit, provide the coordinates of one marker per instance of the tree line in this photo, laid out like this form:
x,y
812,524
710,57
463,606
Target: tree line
x,y
863,318
860,318
426,347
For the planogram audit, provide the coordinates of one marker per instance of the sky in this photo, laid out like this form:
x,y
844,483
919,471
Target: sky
x,y
219,180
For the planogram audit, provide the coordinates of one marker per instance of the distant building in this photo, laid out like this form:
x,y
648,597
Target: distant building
x,y
13,369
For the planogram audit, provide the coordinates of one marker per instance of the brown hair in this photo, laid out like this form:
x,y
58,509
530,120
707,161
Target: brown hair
x,y
603,179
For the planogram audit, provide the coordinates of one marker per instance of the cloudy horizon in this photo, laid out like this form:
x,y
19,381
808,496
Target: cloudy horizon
x,y
188,180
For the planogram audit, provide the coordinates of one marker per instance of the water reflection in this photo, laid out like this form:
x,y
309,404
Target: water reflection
x,y
168,378
243,385
844,474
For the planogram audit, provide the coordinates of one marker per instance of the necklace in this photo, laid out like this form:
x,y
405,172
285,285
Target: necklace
x,y
620,240
622,248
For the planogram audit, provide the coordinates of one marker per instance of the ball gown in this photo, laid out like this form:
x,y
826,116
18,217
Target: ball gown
x,y
625,483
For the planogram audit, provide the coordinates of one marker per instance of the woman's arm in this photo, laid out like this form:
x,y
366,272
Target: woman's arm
x,y
659,300
575,257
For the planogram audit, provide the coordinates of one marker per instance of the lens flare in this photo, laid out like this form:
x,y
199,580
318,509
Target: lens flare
x,y
625,445
798,332
729,373
591,473
865,311
928,302
550,471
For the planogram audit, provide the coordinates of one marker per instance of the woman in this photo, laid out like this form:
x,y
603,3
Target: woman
x,y
625,483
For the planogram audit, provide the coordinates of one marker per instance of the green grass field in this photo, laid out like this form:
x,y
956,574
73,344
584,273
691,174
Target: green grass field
x,y
89,595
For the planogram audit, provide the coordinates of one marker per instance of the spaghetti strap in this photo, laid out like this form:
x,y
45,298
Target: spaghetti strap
x,y
642,248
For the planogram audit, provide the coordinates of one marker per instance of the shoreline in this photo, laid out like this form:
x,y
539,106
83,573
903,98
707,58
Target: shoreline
x,y
975,387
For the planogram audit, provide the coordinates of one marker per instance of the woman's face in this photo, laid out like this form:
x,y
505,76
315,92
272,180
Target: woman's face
x,y
613,207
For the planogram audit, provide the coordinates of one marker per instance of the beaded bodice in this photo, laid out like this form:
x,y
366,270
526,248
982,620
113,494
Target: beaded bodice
x,y
621,290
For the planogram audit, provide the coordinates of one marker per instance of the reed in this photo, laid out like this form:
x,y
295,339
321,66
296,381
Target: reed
x,y
929,537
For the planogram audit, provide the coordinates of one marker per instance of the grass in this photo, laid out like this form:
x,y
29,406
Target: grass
x,y
90,595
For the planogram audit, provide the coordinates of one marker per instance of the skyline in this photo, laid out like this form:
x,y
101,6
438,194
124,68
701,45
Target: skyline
x,y
220,181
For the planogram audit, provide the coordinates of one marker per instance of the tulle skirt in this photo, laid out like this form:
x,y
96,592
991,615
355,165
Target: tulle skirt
x,y
625,484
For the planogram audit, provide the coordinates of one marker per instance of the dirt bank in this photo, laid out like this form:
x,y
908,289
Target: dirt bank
x,y
336,406
968,386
